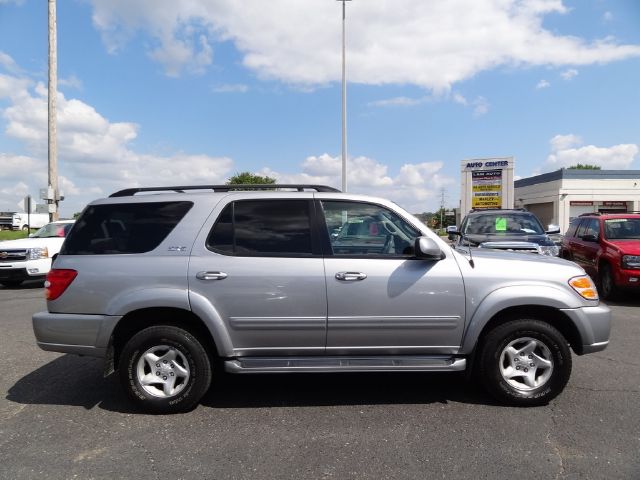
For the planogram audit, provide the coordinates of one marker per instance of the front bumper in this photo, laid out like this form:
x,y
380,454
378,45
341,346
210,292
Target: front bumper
x,y
594,326
627,278
70,333
25,270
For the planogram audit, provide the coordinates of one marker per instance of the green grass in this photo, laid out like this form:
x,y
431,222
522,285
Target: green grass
x,y
13,234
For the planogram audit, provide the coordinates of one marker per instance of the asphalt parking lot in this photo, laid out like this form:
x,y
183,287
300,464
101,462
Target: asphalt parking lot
x,y
60,419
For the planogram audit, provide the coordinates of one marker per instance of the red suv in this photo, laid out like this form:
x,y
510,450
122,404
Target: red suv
x,y
607,246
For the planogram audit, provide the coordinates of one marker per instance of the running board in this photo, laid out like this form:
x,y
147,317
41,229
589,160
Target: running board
x,y
345,364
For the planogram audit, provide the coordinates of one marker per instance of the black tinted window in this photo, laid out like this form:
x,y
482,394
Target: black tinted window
x,y
263,227
123,228
573,226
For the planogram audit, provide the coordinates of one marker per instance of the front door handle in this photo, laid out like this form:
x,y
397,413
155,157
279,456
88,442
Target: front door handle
x,y
350,276
211,275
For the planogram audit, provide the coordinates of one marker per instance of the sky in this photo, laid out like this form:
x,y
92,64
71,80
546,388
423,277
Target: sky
x,y
165,92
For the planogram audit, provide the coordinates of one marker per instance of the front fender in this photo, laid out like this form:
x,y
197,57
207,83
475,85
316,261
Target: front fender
x,y
516,296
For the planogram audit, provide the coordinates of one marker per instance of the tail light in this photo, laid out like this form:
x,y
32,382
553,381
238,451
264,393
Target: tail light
x,y
58,280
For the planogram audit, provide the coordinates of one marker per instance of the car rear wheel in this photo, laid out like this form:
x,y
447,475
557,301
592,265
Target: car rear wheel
x,y
607,285
165,369
525,362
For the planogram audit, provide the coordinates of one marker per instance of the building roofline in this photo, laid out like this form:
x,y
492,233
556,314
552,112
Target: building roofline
x,y
578,174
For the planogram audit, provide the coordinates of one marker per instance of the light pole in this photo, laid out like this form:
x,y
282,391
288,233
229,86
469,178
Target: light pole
x,y
344,100
53,91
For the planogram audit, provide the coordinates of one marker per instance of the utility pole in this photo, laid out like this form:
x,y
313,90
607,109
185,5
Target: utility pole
x,y
52,134
441,207
344,98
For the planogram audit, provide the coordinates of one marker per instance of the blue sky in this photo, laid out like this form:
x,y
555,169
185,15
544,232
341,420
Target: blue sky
x,y
159,92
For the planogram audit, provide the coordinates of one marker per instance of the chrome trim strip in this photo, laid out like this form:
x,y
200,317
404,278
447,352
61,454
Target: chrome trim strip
x,y
394,322
277,323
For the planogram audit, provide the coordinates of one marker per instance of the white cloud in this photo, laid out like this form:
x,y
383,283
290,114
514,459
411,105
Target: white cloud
x,y
71,81
95,155
564,142
416,187
387,42
607,17
230,88
568,150
569,74
8,63
397,102
460,99
480,106
542,84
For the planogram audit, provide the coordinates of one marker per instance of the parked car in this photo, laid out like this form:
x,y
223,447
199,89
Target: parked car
x,y
164,283
30,258
512,230
607,246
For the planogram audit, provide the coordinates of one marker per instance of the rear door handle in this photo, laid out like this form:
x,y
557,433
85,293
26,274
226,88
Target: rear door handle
x,y
211,275
350,276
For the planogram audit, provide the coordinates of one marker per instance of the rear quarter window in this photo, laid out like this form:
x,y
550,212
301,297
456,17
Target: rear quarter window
x,y
123,228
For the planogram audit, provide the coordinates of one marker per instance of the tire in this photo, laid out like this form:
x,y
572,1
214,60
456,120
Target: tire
x,y
25,228
608,289
11,283
165,369
533,348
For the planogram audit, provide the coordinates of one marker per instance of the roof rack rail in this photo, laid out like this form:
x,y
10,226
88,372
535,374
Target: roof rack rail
x,y
590,214
128,192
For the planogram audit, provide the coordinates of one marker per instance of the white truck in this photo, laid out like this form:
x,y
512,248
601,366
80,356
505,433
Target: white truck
x,y
22,220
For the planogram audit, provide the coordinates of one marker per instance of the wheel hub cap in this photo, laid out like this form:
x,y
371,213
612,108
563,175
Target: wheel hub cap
x,y
163,371
526,364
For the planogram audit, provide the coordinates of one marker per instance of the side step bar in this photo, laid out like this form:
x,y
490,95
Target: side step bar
x,y
345,364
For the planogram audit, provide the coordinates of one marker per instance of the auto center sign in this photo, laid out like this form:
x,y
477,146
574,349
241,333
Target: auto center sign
x,y
487,183
489,164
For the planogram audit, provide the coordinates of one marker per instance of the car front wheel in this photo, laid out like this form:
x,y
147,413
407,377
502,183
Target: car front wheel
x,y
165,369
607,285
525,362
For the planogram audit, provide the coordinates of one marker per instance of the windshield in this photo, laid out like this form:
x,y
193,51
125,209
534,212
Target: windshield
x,y
622,229
53,230
503,224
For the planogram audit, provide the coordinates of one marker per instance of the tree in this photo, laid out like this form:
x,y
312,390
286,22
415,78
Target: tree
x,y
586,166
248,178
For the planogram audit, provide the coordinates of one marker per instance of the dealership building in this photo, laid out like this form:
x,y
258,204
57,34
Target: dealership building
x,y
558,197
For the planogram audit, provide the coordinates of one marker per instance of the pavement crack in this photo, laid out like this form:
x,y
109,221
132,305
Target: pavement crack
x,y
615,360
605,390
554,447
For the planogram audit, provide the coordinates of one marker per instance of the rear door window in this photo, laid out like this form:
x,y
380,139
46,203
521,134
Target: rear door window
x,y
263,228
123,228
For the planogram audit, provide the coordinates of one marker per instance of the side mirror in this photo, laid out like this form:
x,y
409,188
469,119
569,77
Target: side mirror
x,y
31,235
551,229
427,249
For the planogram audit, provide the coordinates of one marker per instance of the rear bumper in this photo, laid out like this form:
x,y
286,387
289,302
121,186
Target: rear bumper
x,y
69,333
594,326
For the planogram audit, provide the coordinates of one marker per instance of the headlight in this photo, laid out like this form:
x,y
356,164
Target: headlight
x,y
551,251
585,287
36,253
631,261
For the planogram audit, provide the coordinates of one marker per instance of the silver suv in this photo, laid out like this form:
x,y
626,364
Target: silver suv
x,y
162,282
